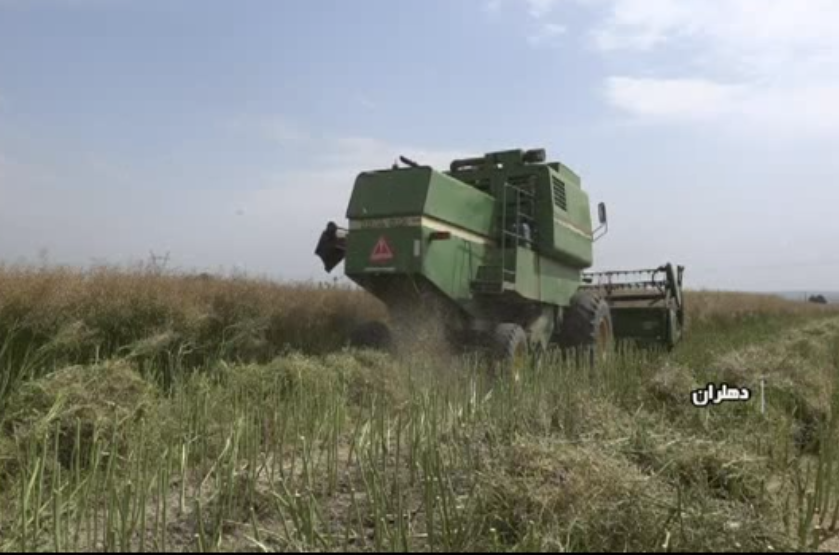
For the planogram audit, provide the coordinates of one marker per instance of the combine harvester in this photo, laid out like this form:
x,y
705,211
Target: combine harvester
x,y
496,251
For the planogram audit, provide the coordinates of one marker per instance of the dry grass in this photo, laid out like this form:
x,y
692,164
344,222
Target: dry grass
x,y
76,402
80,313
168,323
107,310
320,450
705,307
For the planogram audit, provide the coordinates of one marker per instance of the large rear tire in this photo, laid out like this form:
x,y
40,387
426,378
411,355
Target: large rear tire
x,y
512,350
587,327
372,335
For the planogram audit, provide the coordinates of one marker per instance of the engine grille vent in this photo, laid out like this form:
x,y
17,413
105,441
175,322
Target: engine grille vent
x,y
560,198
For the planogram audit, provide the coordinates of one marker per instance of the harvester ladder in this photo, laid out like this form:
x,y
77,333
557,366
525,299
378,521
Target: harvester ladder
x,y
523,203
517,205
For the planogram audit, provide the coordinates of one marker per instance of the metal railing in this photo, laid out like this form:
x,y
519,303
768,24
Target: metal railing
x,y
522,231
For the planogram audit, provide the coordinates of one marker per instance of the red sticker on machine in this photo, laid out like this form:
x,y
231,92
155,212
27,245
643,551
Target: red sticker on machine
x,y
382,251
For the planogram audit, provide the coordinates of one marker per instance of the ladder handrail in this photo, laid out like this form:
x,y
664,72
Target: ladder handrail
x,y
503,252
524,199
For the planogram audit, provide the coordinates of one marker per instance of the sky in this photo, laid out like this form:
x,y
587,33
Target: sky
x,y
228,133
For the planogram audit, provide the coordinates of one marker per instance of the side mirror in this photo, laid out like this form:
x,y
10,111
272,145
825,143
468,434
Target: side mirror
x,y
601,212
604,222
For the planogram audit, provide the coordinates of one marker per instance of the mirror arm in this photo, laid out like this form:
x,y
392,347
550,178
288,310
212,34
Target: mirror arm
x,y
604,223
605,231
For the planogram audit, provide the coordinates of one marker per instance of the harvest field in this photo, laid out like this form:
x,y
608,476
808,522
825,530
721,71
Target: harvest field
x,y
148,412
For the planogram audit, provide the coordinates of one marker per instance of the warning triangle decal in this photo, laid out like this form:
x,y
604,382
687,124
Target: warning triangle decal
x,y
382,252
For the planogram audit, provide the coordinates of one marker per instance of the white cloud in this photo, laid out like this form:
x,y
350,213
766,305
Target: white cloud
x,y
365,102
546,32
321,184
278,130
744,35
492,6
770,64
810,109
806,107
645,24
59,3
547,35
264,218
374,153
673,98
292,205
541,8
537,9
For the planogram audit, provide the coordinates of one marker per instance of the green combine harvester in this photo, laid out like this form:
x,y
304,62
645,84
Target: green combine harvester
x,y
496,251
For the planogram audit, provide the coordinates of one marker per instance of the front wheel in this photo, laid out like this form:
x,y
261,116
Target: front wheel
x,y
587,326
511,347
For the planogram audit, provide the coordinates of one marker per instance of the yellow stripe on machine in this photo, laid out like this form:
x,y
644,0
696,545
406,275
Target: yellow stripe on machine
x,y
419,221
574,229
386,223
